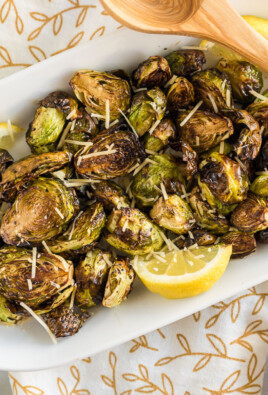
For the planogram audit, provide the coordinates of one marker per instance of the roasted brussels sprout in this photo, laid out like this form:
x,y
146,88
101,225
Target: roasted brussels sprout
x,y
260,186
206,217
154,71
5,160
40,212
262,159
262,236
147,108
173,214
223,182
251,215
91,275
119,284
243,243
259,111
49,121
198,236
224,148
213,88
160,169
84,130
180,94
204,130
190,157
111,195
52,275
8,312
244,77
185,62
112,154
129,230
250,138
64,321
94,89
28,168
160,136
84,229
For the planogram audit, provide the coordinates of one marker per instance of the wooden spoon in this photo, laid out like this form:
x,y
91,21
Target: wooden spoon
x,y
214,20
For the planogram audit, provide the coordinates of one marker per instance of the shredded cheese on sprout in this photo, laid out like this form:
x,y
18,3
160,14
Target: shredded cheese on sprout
x,y
64,134
34,262
107,118
191,113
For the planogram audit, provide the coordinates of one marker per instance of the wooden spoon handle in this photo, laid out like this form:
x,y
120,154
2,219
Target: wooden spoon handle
x,y
218,21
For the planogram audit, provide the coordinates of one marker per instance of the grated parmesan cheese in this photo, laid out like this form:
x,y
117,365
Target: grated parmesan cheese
x,y
217,240
107,110
154,126
191,113
150,152
46,247
214,105
127,121
114,122
72,297
165,240
197,139
64,134
125,226
107,260
40,320
190,234
139,90
69,116
163,190
223,84
228,98
55,284
30,284
221,147
100,153
170,82
75,142
133,167
59,212
34,262
258,95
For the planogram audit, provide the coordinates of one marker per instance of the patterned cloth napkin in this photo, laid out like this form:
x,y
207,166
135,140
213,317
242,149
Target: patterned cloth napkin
x,y
221,350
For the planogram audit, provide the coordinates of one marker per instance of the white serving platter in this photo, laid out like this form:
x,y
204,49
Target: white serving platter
x,y
28,347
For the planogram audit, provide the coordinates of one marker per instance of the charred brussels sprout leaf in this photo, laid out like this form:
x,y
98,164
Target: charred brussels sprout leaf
x,y
260,186
110,194
212,86
185,62
63,102
204,130
91,275
121,151
251,215
147,108
259,111
180,94
173,214
154,71
64,321
244,77
223,182
119,284
161,135
28,168
94,88
84,229
40,212
45,129
250,138
243,243
161,168
131,231
8,312
53,274
205,216
5,160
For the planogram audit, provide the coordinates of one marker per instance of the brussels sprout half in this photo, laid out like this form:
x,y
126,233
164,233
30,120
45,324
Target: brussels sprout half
x,y
185,62
91,275
52,275
161,135
154,71
131,231
180,95
259,111
110,195
8,312
243,243
40,212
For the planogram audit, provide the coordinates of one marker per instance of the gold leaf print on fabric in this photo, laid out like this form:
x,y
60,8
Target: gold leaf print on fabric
x,y
74,391
197,316
148,386
57,19
235,307
161,333
73,42
26,390
5,11
215,341
230,385
87,360
111,382
37,53
251,329
5,57
141,342
98,32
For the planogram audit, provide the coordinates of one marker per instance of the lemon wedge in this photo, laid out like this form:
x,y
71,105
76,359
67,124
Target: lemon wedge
x,y
259,24
8,134
184,273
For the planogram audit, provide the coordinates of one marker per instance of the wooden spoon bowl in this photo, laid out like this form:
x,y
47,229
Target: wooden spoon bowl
x,y
214,20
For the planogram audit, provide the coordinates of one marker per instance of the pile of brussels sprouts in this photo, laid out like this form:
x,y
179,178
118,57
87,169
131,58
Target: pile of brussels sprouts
x,y
119,168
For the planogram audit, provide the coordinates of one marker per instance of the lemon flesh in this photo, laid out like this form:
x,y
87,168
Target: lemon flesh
x,y
259,24
8,134
184,273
